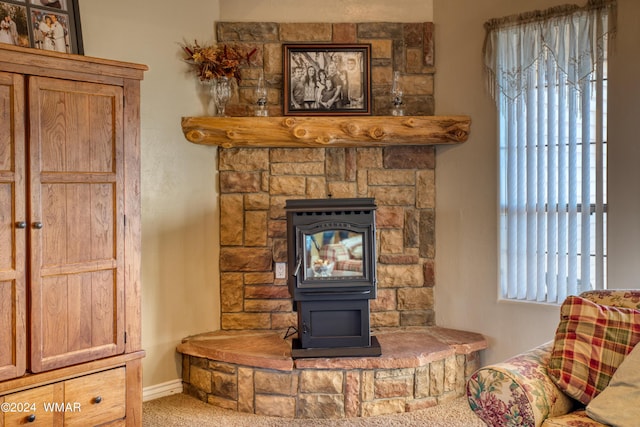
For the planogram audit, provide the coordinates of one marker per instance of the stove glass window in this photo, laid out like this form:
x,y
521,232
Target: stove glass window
x,y
333,254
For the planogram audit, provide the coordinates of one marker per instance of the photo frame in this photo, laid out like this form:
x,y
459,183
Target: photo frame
x,y
52,25
307,69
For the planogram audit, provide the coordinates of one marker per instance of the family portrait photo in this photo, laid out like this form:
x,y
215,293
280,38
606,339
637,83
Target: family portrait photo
x,y
52,25
51,31
327,79
13,24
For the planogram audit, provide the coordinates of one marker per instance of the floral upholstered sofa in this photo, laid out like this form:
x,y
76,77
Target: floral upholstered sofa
x,y
534,388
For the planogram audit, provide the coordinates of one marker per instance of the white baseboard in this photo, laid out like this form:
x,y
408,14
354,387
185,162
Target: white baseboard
x,y
161,390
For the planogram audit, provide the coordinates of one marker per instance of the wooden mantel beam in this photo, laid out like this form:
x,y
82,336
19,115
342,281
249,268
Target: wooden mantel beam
x,y
326,131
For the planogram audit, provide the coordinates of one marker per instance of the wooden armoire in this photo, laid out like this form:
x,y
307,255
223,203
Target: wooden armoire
x,y
70,335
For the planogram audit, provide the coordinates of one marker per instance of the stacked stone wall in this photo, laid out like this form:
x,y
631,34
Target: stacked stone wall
x,y
256,182
403,47
254,186
327,393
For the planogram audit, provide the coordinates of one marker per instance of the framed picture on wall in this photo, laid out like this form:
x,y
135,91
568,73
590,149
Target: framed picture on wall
x,y
42,24
327,79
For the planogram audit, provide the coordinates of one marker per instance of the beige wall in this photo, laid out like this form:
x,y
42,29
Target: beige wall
x,y
327,10
179,208
466,216
624,151
179,190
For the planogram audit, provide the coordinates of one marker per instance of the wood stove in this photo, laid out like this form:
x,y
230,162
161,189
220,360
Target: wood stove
x,y
332,275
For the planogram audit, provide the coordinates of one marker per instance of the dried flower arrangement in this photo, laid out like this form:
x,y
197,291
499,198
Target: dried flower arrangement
x,y
214,61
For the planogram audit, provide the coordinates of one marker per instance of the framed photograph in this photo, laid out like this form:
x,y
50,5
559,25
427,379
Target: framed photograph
x,y
42,24
327,79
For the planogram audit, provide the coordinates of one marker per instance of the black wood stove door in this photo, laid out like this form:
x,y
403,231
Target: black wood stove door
x,y
330,324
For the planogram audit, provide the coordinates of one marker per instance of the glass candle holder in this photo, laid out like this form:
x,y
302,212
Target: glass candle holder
x,y
223,94
396,95
261,98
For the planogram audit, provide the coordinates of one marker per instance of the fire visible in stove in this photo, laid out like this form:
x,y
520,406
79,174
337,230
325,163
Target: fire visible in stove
x,y
332,275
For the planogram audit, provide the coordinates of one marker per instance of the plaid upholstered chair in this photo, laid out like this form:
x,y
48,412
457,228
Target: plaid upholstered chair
x,y
556,383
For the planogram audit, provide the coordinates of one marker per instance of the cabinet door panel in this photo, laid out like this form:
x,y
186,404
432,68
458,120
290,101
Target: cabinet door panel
x,y
77,210
12,236
74,135
78,313
53,238
78,223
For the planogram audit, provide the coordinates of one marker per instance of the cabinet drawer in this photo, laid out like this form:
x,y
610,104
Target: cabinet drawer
x,y
101,398
29,407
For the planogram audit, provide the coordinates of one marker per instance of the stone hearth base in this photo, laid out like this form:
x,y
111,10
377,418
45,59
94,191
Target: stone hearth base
x,y
253,372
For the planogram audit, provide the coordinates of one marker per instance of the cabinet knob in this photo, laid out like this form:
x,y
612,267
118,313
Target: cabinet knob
x,y
37,225
31,418
97,399
21,224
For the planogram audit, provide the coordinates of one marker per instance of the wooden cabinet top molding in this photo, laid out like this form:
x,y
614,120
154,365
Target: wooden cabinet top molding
x,y
326,131
55,64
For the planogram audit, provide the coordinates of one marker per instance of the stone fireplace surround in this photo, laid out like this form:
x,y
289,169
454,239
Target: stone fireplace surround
x,y
256,179
245,366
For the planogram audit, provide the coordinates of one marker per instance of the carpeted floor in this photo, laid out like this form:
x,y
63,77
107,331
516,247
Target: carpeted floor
x,y
181,410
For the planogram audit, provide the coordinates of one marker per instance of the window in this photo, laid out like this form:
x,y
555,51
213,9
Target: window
x,y
548,75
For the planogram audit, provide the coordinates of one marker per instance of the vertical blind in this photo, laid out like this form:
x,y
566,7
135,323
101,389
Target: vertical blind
x,y
547,72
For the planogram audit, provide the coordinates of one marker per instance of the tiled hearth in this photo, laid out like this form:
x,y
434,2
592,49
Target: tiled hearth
x,y
253,372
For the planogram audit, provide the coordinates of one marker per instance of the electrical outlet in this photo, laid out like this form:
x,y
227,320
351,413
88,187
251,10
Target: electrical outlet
x,y
281,270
